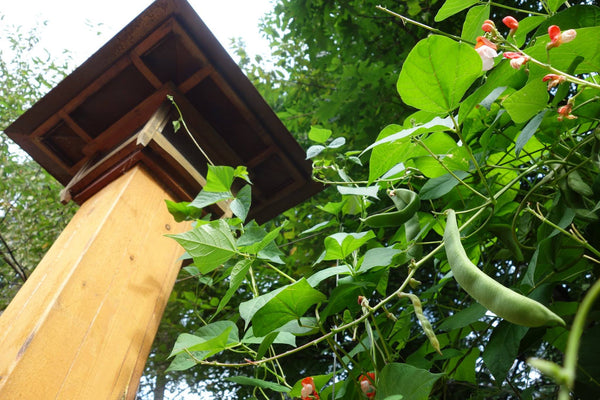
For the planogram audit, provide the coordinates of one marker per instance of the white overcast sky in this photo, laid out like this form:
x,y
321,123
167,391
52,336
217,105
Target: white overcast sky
x,y
74,24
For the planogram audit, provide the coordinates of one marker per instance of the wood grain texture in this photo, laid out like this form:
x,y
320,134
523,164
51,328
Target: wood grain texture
x,y
82,325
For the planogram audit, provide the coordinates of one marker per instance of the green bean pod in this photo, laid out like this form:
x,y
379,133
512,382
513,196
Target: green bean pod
x,y
407,204
425,324
497,298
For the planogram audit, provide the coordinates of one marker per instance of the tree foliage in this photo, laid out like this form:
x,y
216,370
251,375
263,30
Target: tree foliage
x,y
30,214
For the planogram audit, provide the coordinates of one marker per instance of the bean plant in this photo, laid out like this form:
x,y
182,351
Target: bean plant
x,y
504,145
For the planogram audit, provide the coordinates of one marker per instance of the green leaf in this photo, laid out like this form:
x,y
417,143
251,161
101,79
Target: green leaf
x,y
320,276
314,151
250,307
523,104
452,7
205,198
245,380
288,305
554,4
219,178
282,338
182,211
403,379
437,187
502,349
336,143
211,339
370,191
526,25
319,135
402,133
240,206
238,274
528,131
340,245
378,257
318,227
271,253
437,73
210,245
463,317
242,173
473,21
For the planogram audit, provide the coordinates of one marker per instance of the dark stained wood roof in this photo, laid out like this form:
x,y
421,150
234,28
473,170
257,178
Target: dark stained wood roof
x,y
88,130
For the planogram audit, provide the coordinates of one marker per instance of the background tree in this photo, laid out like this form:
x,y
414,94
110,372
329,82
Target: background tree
x,y
30,215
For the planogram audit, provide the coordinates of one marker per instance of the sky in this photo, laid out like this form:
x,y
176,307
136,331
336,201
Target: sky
x,y
83,26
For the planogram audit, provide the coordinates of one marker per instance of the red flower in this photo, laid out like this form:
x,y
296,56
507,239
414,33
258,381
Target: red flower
x,y
511,23
488,26
309,390
516,59
367,384
557,37
553,80
565,112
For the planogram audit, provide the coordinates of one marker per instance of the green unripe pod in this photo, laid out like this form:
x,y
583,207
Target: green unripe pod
x,y
497,298
407,204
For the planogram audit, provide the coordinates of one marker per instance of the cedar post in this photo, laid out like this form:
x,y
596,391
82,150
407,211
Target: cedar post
x,y
82,325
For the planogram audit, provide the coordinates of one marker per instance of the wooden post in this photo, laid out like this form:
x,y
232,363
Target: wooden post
x,y
83,324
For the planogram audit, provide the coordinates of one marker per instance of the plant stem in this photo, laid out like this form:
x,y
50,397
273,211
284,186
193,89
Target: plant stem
x,y
280,272
424,26
512,8
572,350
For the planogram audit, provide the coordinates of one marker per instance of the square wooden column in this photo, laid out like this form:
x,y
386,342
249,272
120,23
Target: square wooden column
x,y
83,324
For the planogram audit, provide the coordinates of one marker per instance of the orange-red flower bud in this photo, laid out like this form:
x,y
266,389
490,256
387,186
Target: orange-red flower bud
x,y
511,23
488,26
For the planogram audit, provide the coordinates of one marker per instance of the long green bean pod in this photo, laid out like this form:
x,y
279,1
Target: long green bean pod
x,y
407,204
497,298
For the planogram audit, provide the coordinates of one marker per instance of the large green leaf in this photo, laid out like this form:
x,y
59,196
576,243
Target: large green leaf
x,y
502,349
410,382
452,7
289,304
210,245
340,245
437,73
527,102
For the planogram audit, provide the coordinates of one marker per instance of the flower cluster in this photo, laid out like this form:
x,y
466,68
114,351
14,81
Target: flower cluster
x,y
309,390
487,47
367,384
